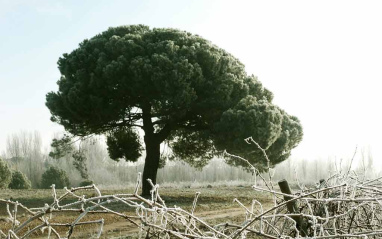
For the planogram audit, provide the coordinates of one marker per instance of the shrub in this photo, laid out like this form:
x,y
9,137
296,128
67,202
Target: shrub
x,y
5,174
86,183
54,176
19,181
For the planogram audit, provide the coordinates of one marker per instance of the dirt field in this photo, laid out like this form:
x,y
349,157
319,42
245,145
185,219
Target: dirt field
x,y
215,205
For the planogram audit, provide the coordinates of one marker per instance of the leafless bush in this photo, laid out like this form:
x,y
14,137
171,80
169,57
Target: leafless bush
x,y
342,206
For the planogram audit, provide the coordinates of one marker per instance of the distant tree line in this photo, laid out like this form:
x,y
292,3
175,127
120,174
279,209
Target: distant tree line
x,y
80,165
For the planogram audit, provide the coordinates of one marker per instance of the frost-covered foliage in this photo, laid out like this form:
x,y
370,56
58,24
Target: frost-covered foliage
x,y
19,181
342,206
54,176
5,174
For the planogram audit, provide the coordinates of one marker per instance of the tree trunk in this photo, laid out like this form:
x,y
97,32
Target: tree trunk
x,y
152,141
151,163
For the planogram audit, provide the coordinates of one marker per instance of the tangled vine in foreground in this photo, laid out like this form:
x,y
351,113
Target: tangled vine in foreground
x,y
342,206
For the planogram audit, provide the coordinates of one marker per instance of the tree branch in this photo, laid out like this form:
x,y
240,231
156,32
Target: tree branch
x,y
164,133
148,125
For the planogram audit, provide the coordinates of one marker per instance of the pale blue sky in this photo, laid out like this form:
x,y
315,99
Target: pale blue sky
x,y
321,59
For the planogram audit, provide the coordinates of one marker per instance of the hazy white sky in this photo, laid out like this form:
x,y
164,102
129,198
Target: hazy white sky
x,y
321,59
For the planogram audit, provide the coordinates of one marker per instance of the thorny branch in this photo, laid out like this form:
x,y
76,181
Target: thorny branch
x,y
342,206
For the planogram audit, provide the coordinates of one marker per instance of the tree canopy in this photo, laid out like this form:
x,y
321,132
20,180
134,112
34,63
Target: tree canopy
x,y
178,88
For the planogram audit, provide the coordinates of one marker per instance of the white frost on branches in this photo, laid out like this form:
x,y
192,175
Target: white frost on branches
x,y
342,206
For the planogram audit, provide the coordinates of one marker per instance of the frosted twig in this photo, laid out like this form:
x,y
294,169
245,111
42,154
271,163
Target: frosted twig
x,y
342,206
